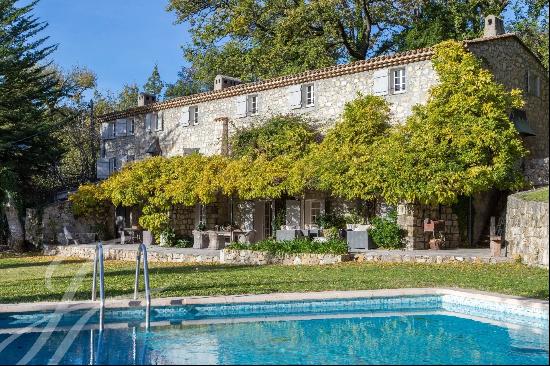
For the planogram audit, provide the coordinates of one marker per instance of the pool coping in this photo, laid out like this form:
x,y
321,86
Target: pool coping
x,y
508,300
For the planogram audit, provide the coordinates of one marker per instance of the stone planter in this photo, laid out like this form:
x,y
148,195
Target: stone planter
x,y
147,237
200,239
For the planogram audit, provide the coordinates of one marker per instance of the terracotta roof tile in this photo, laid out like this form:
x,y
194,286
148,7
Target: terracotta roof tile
x,y
307,76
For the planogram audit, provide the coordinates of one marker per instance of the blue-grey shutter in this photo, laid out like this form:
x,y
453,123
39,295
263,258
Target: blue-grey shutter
x,y
295,96
380,82
241,106
148,121
120,127
105,130
102,168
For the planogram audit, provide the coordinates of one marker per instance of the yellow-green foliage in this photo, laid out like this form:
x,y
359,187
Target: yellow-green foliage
x,y
460,143
342,162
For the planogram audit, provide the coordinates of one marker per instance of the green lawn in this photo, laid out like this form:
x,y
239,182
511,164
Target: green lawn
x,y
22,279
540,195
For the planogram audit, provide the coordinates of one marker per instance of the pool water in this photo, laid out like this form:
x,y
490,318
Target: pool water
x,y
307,333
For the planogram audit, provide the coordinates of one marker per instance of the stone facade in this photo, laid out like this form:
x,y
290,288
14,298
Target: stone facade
x,y
219,116
411,218
526,232
509,60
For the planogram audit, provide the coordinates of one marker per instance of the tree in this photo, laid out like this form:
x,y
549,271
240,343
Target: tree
x,y
460,143
531,24
186,84
128,97
343,162
154,84
260,39
29,95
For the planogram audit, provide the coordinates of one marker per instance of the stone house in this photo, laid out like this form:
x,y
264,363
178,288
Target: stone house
x,y
203,122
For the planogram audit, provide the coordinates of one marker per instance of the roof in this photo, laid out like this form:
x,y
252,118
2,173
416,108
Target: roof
x,y
304,77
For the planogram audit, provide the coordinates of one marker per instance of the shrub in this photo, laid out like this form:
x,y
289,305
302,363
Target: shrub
x,y
185,242
386,233
302,245
331,233
331,220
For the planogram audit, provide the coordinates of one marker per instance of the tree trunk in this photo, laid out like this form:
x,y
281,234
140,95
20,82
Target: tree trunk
x,y
16,238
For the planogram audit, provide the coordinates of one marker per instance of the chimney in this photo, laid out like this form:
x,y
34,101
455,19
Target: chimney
x,y
493,26
146,98
222,82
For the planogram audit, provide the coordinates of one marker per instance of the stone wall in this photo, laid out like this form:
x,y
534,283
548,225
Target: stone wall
x,y
182,220
509,60
411,217
526,232
536,171
154,254
46,226
249,257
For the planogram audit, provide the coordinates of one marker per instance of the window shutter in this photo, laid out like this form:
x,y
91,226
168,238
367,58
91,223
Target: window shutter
x,y
293,213
130,127
120,127
295,96
102,168
158,121
241,106
105,130
148,122
380,85
184,119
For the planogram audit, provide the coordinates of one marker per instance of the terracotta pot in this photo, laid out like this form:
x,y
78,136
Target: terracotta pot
x,y
436,244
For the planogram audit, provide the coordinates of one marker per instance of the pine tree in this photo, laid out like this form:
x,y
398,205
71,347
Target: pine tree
x,y
29,95
154,84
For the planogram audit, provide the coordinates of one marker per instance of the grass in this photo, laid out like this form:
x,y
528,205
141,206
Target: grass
x,y
22,279
539,195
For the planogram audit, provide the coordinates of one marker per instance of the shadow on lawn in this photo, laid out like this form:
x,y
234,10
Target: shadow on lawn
x,y
39,264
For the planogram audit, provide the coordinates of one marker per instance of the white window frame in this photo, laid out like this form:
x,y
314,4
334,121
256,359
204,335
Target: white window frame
x,y
308,95
318,211
159,121
131,126
112,129
194,115
252,104
399,79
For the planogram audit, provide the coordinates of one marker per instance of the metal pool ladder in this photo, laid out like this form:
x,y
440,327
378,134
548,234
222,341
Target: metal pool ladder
x,y
98,259
143,249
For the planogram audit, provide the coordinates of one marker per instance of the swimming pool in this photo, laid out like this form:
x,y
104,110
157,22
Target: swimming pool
x,y
427,329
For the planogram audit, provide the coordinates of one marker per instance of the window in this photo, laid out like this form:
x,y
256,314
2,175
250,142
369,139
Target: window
x,y
130,126
103,151
112,129
113,165
194,115
532,83
315,211
252,104
308,95
399,80
159,121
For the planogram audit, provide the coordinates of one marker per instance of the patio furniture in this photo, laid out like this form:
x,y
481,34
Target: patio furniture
x,y
130,236
246,236
216,239
291,234
359,241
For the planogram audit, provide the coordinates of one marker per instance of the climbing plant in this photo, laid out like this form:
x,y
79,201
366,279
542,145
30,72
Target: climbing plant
x,y
460,142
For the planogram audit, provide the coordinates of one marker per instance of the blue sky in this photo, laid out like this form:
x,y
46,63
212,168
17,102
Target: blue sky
x,y
120,40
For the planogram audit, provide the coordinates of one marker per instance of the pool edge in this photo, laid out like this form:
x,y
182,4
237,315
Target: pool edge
x,y
508,300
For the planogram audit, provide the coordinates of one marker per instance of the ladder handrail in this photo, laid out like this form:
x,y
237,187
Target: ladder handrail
x,y
99,258
143,249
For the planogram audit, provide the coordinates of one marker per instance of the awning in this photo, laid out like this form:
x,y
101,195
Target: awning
x,y
519,118
154,149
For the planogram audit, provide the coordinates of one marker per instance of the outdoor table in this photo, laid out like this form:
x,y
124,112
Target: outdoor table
x,y
134,234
